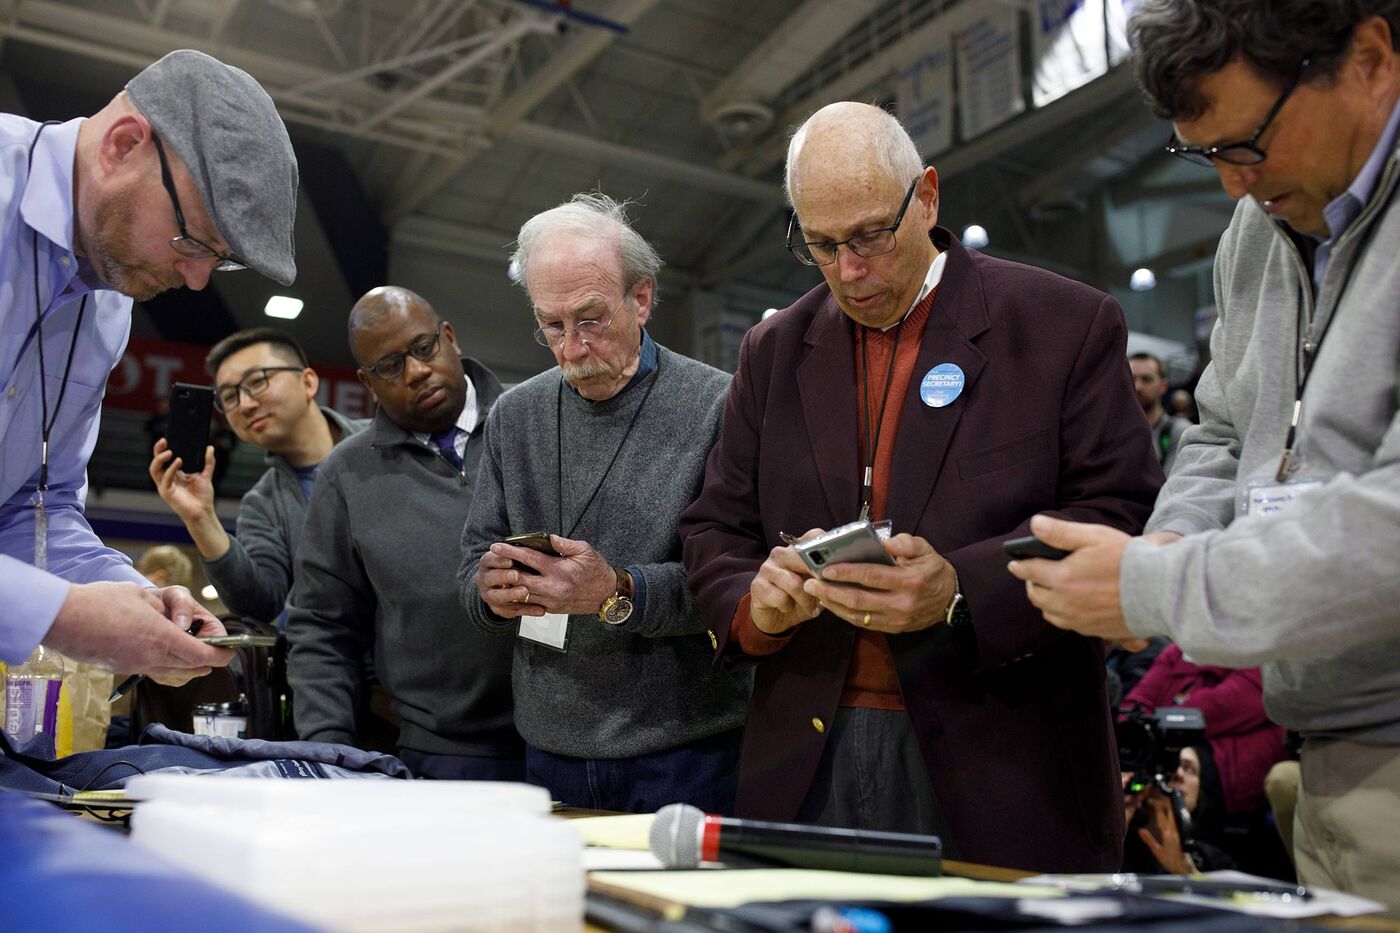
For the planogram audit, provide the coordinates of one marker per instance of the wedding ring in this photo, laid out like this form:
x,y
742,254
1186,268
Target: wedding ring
x,y
866,620
527,597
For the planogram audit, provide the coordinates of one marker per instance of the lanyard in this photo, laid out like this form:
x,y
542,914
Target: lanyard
x,y
559,449
46,423
872,443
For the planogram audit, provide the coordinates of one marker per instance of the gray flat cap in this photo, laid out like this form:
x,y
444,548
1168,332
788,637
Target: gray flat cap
x,y
226,129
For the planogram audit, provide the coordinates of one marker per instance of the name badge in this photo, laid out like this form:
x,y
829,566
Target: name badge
x,y
1275,499
550,630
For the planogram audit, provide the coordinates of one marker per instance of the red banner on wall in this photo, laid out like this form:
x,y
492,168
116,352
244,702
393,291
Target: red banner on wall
x,y
149,368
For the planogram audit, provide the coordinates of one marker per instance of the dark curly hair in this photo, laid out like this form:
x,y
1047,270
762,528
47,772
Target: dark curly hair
x,y
1178,42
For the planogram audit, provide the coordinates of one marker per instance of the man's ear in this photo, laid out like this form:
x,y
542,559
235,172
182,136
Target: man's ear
x,y
451,339
364,381
311,382
120,146
642,293
927,194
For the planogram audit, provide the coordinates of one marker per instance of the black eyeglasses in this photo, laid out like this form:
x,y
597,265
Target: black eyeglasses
x,y
184,244
1246,152
229,398
866,245
423,349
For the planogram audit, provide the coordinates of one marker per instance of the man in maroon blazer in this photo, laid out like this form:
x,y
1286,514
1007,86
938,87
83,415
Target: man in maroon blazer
x,y
955,395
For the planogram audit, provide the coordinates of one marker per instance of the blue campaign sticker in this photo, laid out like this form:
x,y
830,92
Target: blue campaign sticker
x,y
942,385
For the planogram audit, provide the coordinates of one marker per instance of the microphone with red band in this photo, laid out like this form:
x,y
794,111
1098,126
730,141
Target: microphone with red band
x,y
683,836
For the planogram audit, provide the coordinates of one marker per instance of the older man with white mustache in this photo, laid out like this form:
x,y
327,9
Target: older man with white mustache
x,y
615,691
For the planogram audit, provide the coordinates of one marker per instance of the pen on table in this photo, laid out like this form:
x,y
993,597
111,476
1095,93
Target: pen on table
x,y
126,685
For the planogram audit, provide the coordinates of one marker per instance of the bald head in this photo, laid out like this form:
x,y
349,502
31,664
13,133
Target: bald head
x,y
382,303
848,139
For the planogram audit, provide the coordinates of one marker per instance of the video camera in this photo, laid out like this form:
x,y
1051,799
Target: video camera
x,y
1149,746
1150,743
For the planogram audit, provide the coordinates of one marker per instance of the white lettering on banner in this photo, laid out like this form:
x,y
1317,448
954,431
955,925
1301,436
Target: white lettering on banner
x,y
163,368
924,100
1069,47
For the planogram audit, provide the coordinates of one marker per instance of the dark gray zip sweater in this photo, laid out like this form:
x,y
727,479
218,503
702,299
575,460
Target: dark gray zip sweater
x,y
376,568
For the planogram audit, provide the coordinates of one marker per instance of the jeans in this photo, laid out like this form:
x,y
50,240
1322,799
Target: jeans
x,y
462,767
704,773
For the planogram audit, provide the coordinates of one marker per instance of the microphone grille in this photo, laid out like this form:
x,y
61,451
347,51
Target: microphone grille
x,y
675,835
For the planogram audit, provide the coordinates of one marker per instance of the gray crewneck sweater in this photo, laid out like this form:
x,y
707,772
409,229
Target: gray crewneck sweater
x,y
649,684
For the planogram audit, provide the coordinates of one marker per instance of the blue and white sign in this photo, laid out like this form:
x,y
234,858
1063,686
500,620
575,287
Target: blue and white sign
x,y
942,385
924,99
1068,47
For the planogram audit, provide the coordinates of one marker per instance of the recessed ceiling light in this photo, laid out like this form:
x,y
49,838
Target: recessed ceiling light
x,y
975,237
280,306
209,592
1143,280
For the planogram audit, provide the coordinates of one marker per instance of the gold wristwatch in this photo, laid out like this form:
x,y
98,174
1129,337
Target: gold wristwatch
x,y
617,608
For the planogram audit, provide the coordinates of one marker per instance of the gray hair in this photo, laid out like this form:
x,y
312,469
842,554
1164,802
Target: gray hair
x,y
884,139
1178,42
596,214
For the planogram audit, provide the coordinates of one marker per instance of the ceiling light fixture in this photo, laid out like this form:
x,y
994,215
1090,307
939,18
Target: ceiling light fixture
x,y
280,306
1143,280
975,237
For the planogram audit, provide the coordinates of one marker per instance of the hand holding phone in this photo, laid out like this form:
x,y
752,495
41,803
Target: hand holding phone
x,y
535,541
241,640
856,543
1031,547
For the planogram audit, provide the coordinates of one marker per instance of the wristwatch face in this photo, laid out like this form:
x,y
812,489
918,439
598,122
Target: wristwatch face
x,y
958,614
616,610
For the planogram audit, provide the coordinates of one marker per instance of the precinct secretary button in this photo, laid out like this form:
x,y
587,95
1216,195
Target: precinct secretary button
x,y
941,385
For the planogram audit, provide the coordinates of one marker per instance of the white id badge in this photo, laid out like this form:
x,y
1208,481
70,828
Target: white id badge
x,y
1264,498
550,629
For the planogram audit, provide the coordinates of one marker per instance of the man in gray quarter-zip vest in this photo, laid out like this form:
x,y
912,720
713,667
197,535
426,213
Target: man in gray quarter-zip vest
x,y
376,569
1275,537
615,693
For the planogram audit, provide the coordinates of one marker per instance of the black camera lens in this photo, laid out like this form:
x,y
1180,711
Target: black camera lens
x,y
818,557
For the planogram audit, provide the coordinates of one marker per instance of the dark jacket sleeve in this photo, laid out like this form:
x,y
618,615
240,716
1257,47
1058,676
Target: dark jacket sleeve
x,y
254,575
1108,474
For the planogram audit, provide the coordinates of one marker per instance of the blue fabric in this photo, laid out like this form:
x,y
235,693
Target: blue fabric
x,y
446,443
42,203
703,774
306,478
32,767
60,873
463,767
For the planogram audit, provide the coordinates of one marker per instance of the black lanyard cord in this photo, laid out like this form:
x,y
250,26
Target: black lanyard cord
x,y
46,422
872,431
559,450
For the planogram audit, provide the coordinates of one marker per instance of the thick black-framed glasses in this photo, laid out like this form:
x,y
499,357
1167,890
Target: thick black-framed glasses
x,y
255,383
866,245
184,244
1246,152
423,348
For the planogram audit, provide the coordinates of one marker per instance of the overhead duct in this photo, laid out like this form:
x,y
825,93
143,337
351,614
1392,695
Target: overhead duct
x,y
738,106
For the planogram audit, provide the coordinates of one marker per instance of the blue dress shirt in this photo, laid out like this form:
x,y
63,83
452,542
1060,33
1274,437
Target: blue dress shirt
x,y
41,202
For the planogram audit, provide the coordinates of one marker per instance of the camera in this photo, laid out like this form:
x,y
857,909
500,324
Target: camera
x,y
1149,746
1150,743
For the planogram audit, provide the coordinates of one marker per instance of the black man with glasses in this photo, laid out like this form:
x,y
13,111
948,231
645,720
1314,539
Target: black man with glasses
x,y
1274,540
266,390
187,171
952,396
376,568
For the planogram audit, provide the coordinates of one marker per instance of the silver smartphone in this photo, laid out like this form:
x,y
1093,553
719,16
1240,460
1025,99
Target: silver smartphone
x,y
856,543
241,640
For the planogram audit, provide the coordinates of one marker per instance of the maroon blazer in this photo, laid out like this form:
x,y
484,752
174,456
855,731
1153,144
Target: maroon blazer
x,y
1012,718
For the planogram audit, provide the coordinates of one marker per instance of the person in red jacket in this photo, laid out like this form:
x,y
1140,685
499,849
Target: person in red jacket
x,y
1244,742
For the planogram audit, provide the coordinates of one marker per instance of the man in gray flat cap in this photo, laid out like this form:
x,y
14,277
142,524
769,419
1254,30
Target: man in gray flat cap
x,y
186,172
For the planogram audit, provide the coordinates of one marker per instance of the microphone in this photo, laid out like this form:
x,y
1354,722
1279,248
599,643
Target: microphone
x,y
682,836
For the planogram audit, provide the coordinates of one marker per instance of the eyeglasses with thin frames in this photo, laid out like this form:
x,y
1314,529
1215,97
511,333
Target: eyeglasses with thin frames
x,y
867,244
555,334
254,384
1245,152
184,244
423,348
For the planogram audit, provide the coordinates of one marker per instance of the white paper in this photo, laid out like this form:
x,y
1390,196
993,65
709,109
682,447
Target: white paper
x,y
550,629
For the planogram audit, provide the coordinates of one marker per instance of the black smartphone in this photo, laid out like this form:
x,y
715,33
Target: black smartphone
x,y
187,431
1029,547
